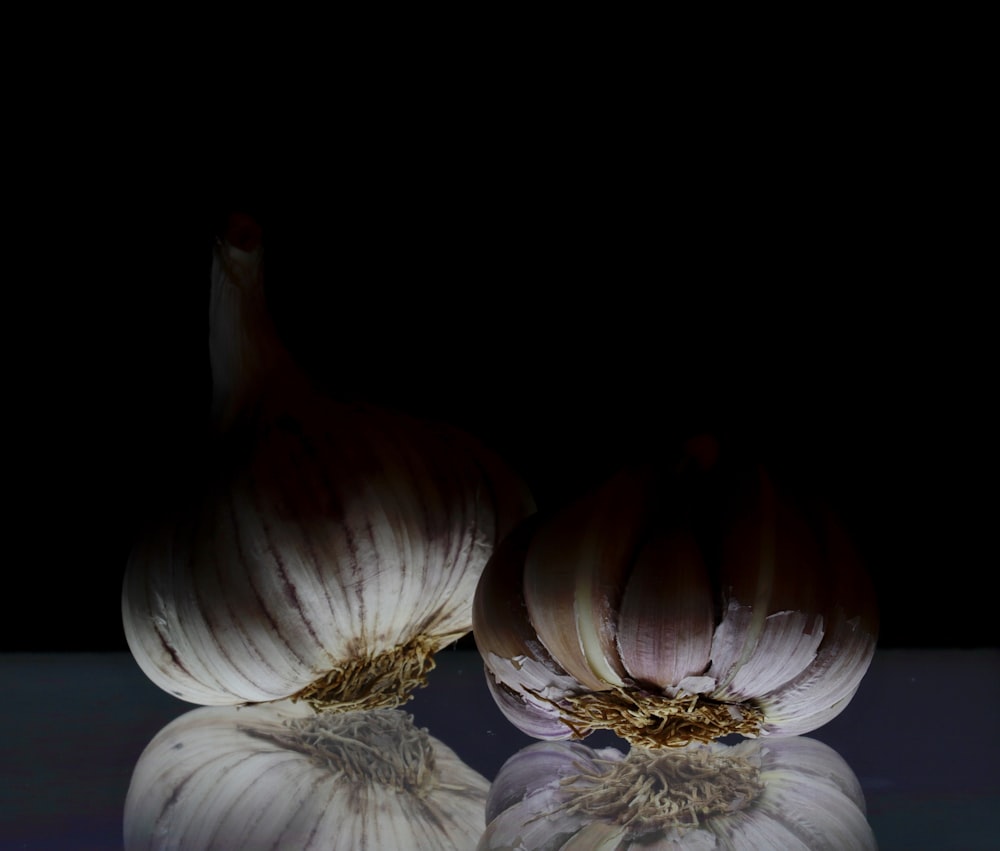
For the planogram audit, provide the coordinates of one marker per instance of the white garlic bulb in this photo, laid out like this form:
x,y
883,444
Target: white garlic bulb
x,y
676,608
788,793
327,551
281,776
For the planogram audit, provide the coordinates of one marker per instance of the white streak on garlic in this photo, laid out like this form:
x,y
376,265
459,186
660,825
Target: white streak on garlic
x,y
665,639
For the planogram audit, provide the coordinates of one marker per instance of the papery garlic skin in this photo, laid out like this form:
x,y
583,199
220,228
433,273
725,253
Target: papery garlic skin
x,y
325,550
787,792
281,776
676,608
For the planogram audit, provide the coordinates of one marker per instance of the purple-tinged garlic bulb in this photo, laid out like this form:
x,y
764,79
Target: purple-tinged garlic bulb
x,y
679,607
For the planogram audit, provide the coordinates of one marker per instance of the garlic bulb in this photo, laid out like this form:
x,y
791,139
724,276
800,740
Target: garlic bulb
x,y
788,793
281,776
676,608
327,551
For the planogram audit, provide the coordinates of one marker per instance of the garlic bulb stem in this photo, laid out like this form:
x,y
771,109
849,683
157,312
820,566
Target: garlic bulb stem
x,y
247,357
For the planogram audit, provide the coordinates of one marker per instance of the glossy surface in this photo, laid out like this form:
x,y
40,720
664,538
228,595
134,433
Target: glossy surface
x,y
921,735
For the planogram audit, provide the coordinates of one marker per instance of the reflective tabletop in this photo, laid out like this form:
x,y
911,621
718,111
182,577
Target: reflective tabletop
x,y
921,737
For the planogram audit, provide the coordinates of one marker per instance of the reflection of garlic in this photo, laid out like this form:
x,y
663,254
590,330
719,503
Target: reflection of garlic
x,y
328,550
788,793
676,608
280,776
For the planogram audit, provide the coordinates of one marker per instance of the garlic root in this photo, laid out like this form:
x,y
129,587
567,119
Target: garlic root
x,y
654,721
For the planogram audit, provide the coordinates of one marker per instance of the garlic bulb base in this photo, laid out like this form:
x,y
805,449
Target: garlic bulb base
x,y
379,681
654,721
665,791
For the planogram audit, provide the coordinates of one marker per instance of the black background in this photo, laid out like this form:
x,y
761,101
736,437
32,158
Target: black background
x,y
820,309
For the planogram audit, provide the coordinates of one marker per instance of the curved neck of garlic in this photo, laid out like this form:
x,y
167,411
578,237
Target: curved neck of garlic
x,y
248,359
